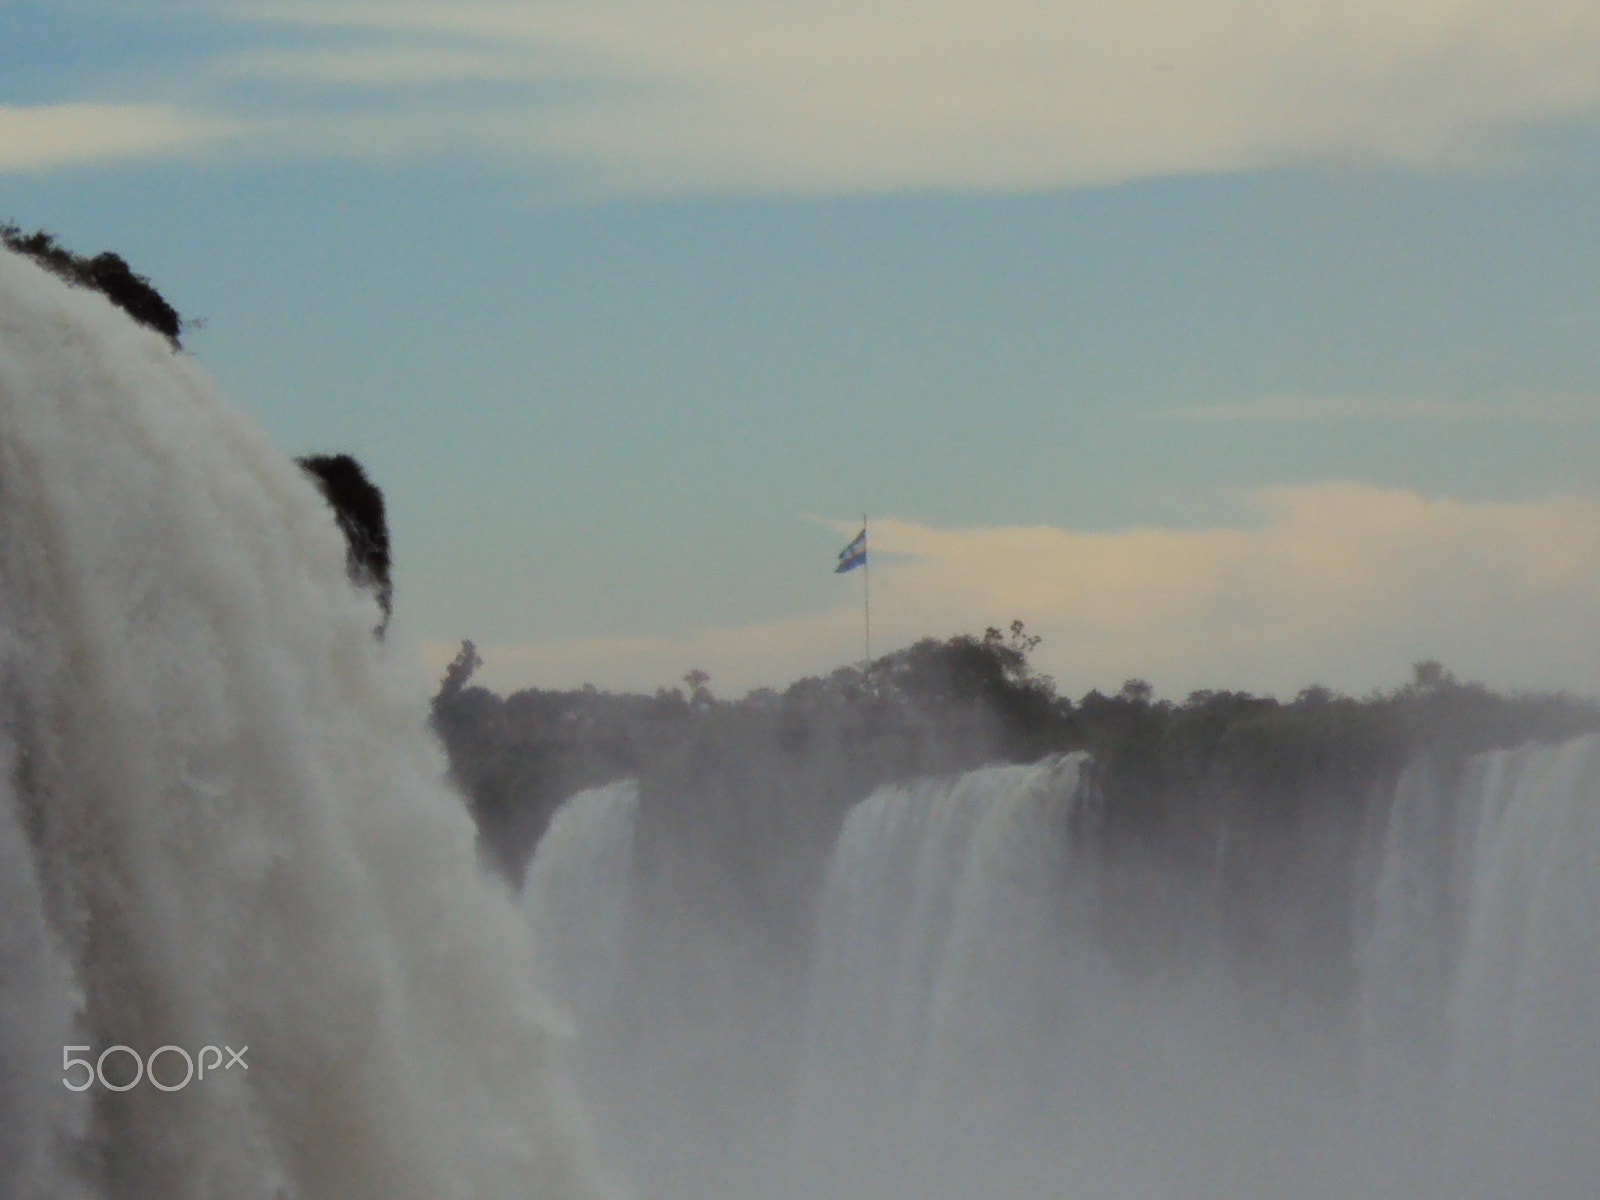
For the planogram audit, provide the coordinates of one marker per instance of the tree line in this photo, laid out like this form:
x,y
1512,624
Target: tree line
x,y
1163,769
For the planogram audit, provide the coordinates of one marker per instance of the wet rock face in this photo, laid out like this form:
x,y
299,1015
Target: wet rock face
x,y
358,507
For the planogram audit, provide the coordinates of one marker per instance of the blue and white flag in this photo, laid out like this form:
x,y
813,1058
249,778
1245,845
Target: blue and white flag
x,y
854,555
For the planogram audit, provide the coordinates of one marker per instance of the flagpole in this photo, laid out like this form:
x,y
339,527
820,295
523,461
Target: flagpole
x,y
866,596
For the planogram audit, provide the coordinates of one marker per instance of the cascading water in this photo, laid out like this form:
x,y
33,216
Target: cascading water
x,y
576,903
936,992
576,899
940,966
1481,971
969,1031
221,822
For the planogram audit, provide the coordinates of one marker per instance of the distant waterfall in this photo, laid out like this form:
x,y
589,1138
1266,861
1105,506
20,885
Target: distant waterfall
x,y
940,984
576,899
222,822
1480,1007
970,1027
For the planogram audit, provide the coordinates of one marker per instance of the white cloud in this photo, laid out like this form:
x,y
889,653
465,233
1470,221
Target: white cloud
x,y
829,95
1016,94
1342,584
38,137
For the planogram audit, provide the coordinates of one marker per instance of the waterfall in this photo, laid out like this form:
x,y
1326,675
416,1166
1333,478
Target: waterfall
x,y
576,900
1480,959
941,978
222,823
968,1029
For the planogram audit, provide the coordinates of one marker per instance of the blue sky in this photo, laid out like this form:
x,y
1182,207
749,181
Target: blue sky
x,y
1228,344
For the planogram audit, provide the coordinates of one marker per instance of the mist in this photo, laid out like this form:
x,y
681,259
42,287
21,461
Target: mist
x,y
997,998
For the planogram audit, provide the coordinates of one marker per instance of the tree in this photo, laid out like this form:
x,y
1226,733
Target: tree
x,y
699,693
1137,691
1430,675
466,661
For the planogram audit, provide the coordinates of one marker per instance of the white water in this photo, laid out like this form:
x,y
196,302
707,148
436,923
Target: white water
x,y
966,1033
576,900
941,962
222,821
971,1035
1481,971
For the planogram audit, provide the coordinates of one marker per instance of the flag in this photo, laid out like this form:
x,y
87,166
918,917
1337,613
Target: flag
x,y
854,555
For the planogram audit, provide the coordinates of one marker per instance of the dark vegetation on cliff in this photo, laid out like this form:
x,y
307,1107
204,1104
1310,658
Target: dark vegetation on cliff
x,y
358,508
106,273
1224,824
779,770
356,501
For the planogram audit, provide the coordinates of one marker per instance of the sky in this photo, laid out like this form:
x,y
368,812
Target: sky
x,y
1227,344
